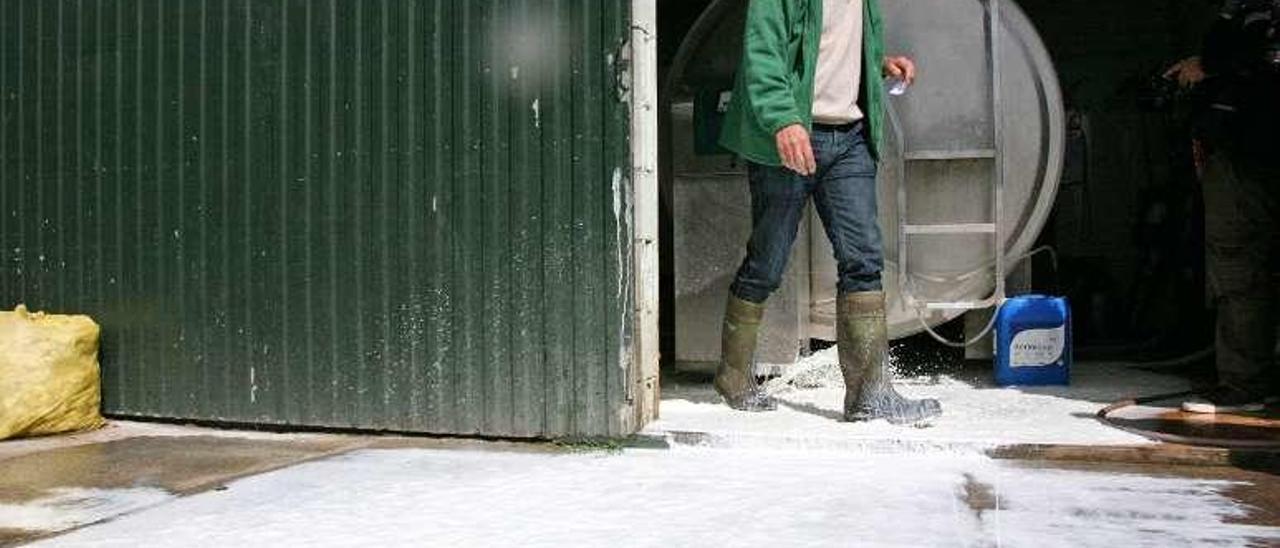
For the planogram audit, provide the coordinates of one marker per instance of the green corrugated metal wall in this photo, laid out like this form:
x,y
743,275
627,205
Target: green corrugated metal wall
x,y
389,214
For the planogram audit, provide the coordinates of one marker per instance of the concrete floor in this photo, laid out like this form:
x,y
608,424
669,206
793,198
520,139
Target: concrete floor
x,y
55,484
976,414
157,484
707,497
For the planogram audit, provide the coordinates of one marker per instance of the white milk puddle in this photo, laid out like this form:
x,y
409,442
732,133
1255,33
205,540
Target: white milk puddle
x,y
686,497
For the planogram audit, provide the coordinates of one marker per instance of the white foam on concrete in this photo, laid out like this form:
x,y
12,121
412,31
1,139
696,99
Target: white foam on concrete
x,y
686,497
65,508
976,414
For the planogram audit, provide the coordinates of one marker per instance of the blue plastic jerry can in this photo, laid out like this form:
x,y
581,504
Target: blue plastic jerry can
x,y
1033,341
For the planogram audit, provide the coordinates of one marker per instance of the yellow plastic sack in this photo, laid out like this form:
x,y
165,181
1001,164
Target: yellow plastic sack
x,y
49,379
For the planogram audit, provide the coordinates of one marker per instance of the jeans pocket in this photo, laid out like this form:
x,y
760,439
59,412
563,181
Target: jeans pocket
x,y
859,162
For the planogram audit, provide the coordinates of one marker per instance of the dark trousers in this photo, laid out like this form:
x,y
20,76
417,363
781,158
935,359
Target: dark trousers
x,y
844,193
1241,199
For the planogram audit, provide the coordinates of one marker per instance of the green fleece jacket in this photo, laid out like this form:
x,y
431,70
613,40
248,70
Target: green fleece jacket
x,y
774,87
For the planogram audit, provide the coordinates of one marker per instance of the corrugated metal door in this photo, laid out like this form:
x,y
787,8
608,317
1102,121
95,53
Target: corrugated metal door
x,y
389,214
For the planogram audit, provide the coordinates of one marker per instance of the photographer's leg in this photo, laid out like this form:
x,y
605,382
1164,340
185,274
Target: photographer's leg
x,y
1240,239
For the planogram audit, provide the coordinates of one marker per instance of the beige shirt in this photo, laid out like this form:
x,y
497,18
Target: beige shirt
x,y
835,91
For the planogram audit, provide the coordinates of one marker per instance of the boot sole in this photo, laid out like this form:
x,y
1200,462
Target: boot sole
x,y
925,422
737,405
751,409
919,422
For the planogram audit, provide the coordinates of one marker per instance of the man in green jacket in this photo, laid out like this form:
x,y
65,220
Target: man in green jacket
x,y
807,116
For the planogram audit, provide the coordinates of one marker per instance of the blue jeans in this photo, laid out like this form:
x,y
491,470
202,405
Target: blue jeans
x,y
844,193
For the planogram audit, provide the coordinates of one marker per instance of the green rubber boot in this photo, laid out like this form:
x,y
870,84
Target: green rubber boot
x,y
864,351
735,378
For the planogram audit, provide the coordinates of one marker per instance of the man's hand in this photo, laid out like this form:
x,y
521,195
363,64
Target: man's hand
x,y
795,150
902,68
1188,72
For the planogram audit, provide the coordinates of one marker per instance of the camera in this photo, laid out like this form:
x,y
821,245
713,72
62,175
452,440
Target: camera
x,y
1158,93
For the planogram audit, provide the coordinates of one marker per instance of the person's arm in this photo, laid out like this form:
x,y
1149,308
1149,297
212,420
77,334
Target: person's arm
x,y
766,66
767,71
1219,54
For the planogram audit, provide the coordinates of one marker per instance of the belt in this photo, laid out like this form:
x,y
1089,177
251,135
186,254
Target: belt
x,y
838,128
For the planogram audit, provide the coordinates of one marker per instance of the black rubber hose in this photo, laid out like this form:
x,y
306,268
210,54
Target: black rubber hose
x,y
1202,354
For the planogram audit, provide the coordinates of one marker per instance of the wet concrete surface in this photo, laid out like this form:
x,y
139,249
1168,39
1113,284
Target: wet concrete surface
x,y
1256,487
701,497
55,485
177,465
89,480
1224,430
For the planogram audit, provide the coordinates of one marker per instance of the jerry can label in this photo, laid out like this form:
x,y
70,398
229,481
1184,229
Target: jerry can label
x,y
1037,347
